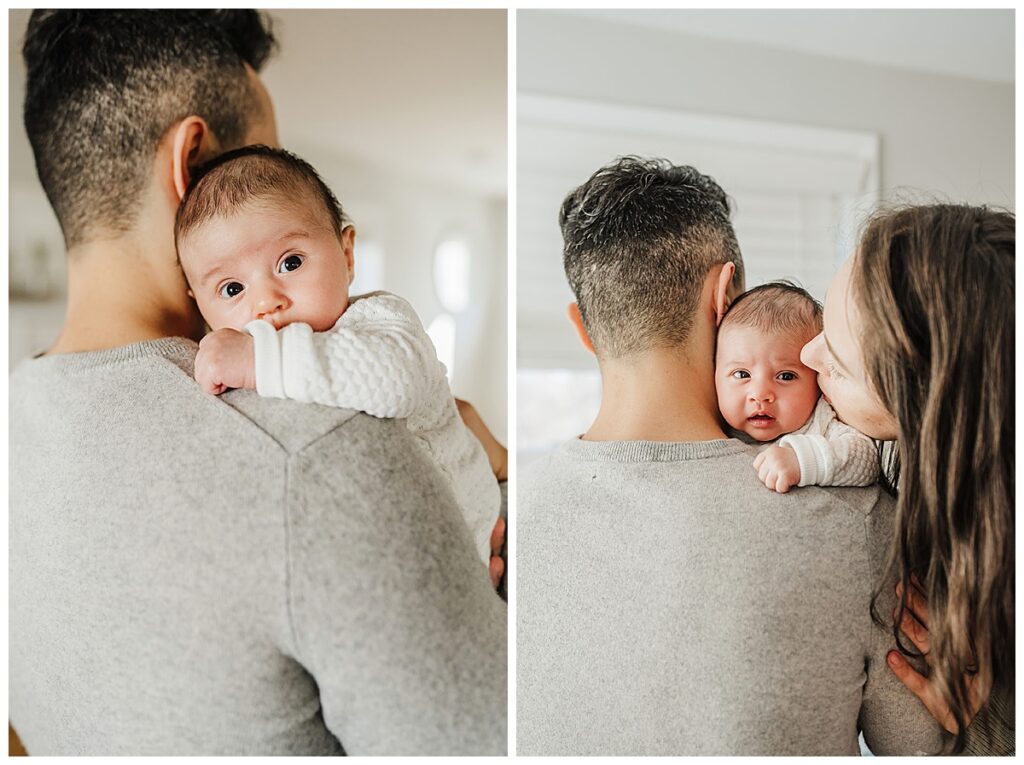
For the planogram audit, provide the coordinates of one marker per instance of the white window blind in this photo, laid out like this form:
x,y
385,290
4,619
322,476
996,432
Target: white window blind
x,y
798,193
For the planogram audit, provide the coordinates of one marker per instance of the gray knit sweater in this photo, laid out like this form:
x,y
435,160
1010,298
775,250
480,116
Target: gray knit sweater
x,y
233,575
668,603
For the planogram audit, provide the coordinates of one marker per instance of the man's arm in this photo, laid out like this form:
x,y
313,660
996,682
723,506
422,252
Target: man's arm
x,y
391,611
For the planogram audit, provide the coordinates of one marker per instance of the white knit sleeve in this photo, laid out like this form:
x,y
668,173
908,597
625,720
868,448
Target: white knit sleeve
x,y
831,453
377,359
267,352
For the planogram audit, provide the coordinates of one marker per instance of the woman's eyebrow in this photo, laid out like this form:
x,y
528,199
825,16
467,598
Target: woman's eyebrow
x,y
835,358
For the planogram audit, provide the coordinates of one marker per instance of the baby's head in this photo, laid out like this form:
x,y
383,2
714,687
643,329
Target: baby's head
x,y
260,236
763,388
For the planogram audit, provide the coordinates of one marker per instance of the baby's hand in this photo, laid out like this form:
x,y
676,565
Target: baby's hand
x,y
226,359
778,467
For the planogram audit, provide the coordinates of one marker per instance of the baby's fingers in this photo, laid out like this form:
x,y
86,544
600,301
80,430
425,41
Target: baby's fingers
x,y
208,379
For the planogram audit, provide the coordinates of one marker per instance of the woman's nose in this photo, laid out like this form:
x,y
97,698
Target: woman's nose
x,y
810,354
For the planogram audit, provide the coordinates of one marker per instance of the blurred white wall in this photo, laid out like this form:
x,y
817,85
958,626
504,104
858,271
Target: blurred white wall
x,y
941,134
404,115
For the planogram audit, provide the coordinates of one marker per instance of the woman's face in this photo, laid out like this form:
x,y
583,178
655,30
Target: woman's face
x,y
835,354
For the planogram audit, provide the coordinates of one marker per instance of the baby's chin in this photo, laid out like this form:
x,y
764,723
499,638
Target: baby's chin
x,y
761,435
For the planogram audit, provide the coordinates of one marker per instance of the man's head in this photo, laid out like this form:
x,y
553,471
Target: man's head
x,y
641,236
261,236
763,388
104,88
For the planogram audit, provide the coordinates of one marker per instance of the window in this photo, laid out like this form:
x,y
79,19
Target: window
x,y
554,405
369,267
451,284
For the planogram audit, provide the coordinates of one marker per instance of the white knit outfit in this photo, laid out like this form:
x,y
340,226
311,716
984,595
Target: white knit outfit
x,y
830,452
378,359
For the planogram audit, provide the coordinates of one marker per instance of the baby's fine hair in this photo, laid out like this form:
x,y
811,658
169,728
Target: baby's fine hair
x,y
231,180
776,307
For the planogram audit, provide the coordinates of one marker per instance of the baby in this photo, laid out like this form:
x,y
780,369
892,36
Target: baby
x,y
766,394
268,254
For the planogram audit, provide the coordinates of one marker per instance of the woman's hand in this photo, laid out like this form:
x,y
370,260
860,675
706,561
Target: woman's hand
x,y
497,566
497,455
915,626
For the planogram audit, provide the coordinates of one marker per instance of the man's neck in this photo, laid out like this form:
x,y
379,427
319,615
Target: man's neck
x,y
118,294
663,395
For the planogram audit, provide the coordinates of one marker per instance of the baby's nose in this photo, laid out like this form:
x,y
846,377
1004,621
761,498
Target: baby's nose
x,y
270,301
765,394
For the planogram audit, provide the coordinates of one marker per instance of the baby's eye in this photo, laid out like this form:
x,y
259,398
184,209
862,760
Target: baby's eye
x,y
787,376
231,289
291,263
741,374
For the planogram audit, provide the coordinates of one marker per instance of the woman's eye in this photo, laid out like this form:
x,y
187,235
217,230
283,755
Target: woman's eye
x,y
787,376
231,289
291,263
741,374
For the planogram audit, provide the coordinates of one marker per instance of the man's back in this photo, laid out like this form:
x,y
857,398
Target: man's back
x,y
669,604
191,574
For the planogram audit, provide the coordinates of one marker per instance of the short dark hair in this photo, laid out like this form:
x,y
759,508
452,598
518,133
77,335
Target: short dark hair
x,y
104,86
640,236
235,178
780,306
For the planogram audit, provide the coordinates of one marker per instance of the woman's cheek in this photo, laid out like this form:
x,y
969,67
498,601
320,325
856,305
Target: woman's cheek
x,y
861,410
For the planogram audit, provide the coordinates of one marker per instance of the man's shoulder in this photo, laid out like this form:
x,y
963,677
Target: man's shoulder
x,y
862,501
291,424
152,383
724,477
539,473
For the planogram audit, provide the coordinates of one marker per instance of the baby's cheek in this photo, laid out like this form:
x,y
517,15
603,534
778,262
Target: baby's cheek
x,y
730,404
216,316
811,396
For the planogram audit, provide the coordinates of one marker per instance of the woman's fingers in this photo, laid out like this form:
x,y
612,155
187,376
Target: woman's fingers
x,y
497,565
921,687
497,568
498,537
914,623
916,601
914,630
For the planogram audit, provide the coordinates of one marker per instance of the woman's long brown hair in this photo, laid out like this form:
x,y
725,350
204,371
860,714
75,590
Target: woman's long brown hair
x,y
935,289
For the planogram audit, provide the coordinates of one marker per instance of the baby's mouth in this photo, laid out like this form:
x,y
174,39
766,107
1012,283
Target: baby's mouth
x,y
761,420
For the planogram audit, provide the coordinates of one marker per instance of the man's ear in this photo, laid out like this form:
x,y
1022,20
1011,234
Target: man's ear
x,y
348,247
192,144
577,321
723,293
